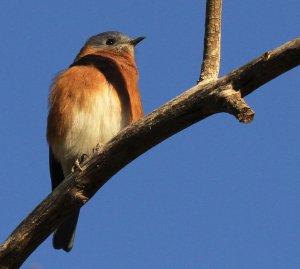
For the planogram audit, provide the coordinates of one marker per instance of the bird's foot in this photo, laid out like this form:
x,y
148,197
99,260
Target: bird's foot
x,y
78,162
76,166
84,157
97,148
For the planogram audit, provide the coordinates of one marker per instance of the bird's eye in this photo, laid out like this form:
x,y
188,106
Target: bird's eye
x,y
110,41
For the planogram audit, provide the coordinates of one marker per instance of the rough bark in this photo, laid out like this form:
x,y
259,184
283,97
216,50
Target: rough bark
x,y
212,41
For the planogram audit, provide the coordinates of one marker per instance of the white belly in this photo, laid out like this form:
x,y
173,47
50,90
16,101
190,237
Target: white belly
x,y
98,124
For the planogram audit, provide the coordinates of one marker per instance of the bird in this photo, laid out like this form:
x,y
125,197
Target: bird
x,y
89,103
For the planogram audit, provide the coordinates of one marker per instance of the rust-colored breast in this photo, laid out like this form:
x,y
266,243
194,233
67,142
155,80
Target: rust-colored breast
x,y
120,69
76,85
70,89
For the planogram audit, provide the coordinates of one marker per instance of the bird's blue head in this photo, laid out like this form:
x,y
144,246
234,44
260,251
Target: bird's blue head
x,y
113,40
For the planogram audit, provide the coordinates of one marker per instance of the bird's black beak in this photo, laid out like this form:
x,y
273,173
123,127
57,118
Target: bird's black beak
x,y
137,40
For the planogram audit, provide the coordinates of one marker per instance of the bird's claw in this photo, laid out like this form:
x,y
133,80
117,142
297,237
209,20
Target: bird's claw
x,y
97,148
76,166
84,157
78,162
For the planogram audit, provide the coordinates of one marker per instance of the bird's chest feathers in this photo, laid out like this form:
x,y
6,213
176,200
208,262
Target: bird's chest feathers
x,y
96,122
89,105
101,119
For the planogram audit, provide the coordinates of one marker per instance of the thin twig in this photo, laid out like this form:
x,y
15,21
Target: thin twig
x,y
212,41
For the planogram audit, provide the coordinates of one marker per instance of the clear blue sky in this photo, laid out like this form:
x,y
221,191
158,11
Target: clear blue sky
x,y
218,195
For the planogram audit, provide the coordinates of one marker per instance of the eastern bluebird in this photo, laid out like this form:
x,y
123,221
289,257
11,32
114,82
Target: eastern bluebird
x,y
89,103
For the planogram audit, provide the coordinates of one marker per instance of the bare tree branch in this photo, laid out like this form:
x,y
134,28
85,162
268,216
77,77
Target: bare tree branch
x,y
197,103
212,41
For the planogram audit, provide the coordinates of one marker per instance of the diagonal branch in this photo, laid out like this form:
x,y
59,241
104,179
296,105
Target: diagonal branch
x,y
212,41
196,104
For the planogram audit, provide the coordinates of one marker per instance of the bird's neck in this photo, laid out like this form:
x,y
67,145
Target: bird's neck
x,y
122,57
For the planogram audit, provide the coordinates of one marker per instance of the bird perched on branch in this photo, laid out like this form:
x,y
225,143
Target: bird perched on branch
x,y
89,103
